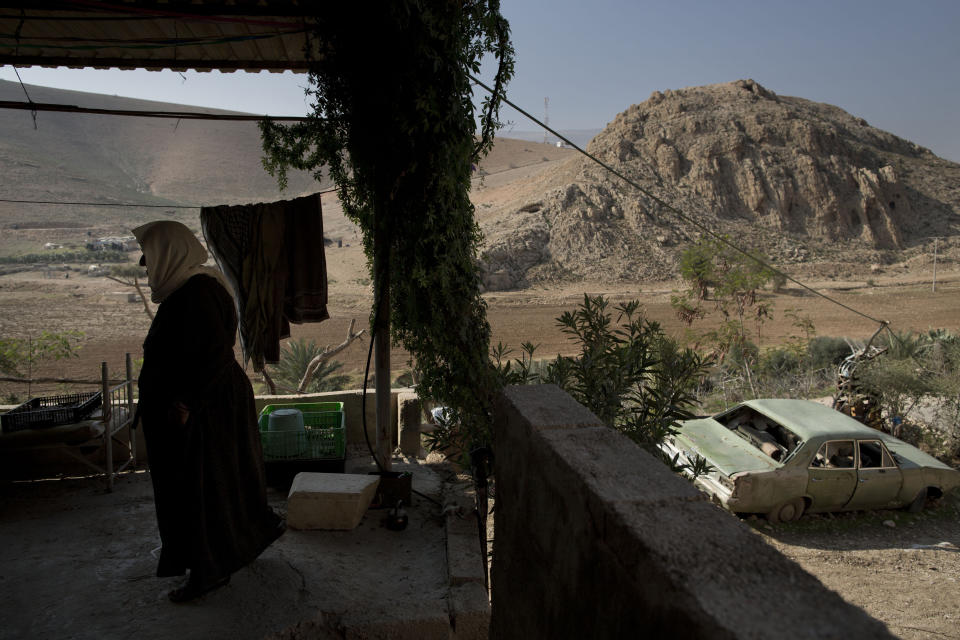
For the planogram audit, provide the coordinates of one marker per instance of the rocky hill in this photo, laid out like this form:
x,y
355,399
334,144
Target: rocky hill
x,y
808,184
803,182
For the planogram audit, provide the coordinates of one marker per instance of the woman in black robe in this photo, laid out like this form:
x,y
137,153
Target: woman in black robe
x,y
199,419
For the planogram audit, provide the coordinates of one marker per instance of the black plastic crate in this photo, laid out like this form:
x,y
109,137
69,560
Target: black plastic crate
x,y
51,411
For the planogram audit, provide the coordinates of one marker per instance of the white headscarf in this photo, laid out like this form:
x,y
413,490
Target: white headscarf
x,y
173,256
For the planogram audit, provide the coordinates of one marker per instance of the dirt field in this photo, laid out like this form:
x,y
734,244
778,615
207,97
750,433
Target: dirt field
x,y
907,576
112,326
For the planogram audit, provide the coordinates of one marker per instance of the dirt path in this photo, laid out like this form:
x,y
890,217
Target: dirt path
x,y
112,326
906,575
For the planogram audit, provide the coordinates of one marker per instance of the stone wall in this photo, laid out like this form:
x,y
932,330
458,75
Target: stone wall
x,y
595,538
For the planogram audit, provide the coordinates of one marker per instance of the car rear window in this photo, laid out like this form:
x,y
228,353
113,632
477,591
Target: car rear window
x,y
873,455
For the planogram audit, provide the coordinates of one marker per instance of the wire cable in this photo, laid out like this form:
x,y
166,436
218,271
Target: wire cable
x,y
134,113
102,204
16,51
126,204
684,217
363,397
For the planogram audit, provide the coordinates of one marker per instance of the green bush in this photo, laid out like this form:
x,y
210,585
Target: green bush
x,y
826,352
778,361
741,353
629,373
62,256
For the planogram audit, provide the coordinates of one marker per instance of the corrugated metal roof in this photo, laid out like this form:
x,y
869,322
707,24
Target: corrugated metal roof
x,y
202,35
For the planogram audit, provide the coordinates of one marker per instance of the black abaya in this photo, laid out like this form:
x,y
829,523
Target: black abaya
x,y
208,474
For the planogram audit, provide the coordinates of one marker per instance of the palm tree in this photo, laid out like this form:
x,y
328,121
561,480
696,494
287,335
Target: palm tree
x,y
294,359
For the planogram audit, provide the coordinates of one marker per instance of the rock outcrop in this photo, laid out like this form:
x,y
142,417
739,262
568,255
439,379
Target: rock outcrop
x,y
784,175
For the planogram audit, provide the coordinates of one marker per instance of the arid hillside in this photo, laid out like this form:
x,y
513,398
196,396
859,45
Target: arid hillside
x,y
96,158
806,183
555,226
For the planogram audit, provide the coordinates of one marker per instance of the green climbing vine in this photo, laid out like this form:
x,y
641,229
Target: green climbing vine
x,y
393,125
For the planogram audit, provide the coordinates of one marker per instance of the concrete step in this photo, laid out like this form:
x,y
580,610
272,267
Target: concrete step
x,y
329,500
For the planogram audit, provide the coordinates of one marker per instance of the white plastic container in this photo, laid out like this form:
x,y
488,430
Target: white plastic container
x,y
288,434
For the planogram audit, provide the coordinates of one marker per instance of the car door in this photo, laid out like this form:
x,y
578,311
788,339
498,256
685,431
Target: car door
x,y
832,475
878,477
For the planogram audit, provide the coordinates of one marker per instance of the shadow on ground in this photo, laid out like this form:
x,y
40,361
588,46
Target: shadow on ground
x,y
77,562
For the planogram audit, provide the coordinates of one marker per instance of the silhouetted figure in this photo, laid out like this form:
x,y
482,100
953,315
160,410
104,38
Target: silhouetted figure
x,y
199,420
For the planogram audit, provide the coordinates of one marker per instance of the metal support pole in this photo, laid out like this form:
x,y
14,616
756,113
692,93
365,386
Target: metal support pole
x,y
107,424
381,269
132,431
935,241
384,439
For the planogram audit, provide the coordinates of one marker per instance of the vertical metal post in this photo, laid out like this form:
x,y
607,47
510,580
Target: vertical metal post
x,y
107,423
132,431
935,241
546,118
381,269
384,439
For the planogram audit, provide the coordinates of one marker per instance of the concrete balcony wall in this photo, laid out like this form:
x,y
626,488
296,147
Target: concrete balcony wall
x,y
595,538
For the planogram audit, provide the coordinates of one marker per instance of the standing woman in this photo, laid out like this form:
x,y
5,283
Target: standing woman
x,y
199,419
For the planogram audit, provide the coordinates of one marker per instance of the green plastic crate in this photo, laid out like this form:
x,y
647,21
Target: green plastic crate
x,y
324,438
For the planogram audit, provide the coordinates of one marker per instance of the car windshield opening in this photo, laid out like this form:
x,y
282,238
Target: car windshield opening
x,y
765,434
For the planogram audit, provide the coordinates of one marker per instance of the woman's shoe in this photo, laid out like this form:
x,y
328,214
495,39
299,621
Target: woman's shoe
x,y
192,590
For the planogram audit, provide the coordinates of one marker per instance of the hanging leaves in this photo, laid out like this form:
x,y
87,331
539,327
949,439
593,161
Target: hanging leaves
x,y
393,125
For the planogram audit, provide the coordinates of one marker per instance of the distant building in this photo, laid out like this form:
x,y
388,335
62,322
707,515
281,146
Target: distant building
x,y
113,243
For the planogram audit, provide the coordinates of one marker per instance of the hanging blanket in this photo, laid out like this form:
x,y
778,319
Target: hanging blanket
x,y
272,255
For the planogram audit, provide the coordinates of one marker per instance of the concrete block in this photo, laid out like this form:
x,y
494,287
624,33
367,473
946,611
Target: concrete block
x,y
464,557
329,500
544,407
408,423
469,612
612,468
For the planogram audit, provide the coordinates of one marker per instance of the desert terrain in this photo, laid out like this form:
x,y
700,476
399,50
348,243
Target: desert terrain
x,y
907,575
32,301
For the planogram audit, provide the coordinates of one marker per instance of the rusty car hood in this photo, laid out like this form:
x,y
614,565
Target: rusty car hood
x,y
727,452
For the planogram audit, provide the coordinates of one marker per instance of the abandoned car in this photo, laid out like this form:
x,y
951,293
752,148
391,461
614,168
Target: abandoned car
x,y
784,457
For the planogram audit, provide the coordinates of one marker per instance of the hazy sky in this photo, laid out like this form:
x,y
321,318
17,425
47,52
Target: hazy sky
x,y
894,63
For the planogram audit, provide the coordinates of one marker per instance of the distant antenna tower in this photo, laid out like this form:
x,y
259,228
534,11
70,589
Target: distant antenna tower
x,y
546,117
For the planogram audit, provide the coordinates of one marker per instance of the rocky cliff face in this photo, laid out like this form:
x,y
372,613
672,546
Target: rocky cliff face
x,y
796,179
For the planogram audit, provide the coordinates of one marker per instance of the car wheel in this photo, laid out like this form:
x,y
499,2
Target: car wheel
x,y
788,511
919,502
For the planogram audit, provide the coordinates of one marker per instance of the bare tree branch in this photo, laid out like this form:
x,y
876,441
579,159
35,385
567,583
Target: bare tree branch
x,y
327,354
143,299
136,284
269,381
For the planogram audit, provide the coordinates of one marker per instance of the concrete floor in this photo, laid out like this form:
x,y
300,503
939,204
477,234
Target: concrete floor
x,y
77,562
